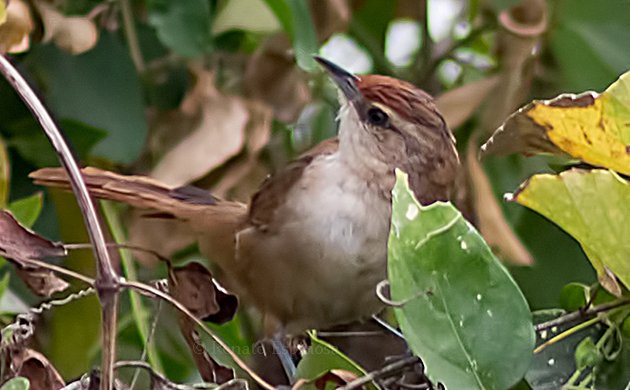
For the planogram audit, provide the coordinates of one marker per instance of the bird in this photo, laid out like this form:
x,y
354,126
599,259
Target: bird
x,y
311,246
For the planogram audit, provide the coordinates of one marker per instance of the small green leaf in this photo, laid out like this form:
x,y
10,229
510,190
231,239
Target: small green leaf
x,y
304,37
574,296
4,283
587,354
463,314
182,26
17,383
26,210
322,357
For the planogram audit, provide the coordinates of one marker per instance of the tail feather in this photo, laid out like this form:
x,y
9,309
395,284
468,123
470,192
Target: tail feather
x,y
137,191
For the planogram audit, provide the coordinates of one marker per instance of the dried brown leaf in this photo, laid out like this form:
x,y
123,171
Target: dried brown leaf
x,y
218,134
74,34
19,244
492,223
329,17
457,105
14,32
37,369
194,287
271,76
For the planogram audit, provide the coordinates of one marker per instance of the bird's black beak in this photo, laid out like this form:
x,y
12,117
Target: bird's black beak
x,y
344,80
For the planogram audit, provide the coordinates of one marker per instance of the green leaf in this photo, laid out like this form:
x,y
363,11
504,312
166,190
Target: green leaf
x,y
587,354
554,365
574,296
17,383
322,357
31,143
590,42
614,374
304,37
592,207
3,12
461,307
182,26
281,10
99,88
26,210
5,173
250,15
4,283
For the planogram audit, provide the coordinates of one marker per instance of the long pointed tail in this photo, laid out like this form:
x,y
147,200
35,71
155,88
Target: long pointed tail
x,y
140,191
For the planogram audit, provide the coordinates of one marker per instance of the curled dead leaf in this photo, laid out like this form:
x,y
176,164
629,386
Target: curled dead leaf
x,y
17,26
217,134
490,218
271,76
329,17
194,286
34,366
457,105
19,244
74,34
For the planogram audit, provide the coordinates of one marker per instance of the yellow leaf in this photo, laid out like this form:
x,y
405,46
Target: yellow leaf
x,y
592,206
3,12
591,127
16,27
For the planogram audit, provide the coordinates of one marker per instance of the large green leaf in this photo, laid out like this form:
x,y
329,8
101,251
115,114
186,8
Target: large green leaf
x,y
592,206
31,143
304,37
462,313
590,42
182,26
99,88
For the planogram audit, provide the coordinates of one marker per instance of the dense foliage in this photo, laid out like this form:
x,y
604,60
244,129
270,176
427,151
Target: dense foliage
x,y
220,93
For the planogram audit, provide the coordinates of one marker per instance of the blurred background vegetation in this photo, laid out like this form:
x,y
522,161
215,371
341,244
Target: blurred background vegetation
x,y
220,93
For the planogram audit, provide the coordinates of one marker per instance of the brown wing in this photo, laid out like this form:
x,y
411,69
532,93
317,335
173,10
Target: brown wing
x,y
274,190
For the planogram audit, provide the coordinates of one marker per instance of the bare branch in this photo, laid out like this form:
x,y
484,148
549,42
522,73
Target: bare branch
x,y
107,279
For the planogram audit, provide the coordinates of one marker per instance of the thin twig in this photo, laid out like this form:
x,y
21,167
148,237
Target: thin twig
x,y
156,293
565,334
132,36
581,314
60,270
389,369
146,289
107,279
147,343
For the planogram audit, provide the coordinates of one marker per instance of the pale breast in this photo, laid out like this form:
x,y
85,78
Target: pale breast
x,y
319,263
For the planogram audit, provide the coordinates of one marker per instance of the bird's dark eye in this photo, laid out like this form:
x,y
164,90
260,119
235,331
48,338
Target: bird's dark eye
x,y
377,117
